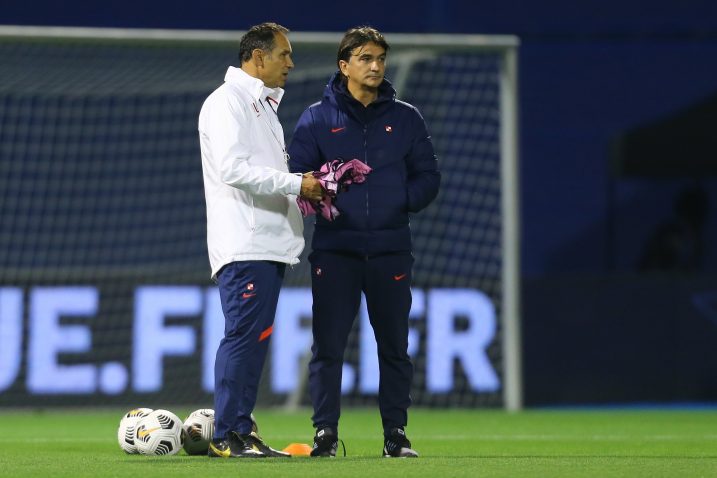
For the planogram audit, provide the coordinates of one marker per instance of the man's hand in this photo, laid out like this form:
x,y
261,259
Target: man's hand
x,y
310,187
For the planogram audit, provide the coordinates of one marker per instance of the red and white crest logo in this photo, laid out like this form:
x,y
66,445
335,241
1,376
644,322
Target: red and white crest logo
x,y
250,286
388,128
318,271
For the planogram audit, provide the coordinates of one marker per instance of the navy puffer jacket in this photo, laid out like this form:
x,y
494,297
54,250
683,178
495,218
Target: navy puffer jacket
x,y
391,137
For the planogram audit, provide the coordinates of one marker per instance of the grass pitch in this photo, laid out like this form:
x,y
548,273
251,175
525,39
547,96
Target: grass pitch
x,y
453,443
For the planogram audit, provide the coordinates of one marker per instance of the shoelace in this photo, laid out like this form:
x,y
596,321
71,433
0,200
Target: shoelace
x,y
259,440
343,445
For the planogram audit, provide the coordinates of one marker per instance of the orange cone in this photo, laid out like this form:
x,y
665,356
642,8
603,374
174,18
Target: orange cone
x,y
298,449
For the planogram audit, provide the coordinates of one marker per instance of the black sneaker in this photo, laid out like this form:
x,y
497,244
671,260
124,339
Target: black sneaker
x,y
326,441
396,445
255,442
233,447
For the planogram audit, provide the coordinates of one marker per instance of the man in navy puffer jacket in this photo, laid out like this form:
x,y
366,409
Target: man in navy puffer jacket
x,y
368,247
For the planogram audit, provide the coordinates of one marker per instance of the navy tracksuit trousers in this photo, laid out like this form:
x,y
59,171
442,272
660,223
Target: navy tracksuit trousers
x,y
337,282
249,292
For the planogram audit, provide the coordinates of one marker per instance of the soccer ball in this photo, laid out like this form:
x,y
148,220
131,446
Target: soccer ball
x,y
125,432
198,431
159,433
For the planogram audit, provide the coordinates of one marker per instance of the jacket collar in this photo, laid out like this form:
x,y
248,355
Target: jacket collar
x,y
337,93
254,86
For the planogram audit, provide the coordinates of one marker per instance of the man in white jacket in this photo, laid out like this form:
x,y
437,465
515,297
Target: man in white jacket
x,y
254,227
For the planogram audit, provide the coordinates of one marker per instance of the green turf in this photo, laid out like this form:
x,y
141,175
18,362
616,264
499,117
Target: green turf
x,y
458,443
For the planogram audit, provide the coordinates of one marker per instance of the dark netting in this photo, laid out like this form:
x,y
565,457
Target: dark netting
x,y
101,194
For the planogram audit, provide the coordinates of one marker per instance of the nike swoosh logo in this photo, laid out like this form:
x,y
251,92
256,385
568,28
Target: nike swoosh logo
x,y
223,453
246,296
144,433
399,277
336,130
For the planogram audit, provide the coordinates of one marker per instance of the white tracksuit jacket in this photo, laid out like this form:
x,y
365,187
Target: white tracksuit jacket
x,y
251,196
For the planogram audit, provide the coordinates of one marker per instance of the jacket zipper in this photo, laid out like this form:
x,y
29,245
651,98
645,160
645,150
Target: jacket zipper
x,y
253,217
365,160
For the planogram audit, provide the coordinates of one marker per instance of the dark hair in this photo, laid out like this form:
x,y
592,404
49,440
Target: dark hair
x,y
356,37
259,36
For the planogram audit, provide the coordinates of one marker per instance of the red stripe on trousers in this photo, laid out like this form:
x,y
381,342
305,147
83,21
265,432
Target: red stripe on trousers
x,y
265,335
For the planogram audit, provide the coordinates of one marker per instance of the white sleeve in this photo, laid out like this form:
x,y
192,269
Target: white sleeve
x,y
230,138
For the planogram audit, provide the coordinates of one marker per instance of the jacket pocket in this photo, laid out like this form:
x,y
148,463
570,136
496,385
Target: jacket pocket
x,y
252,214
270,215
388,207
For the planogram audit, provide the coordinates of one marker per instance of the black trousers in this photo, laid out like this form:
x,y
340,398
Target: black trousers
x,y
337,282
